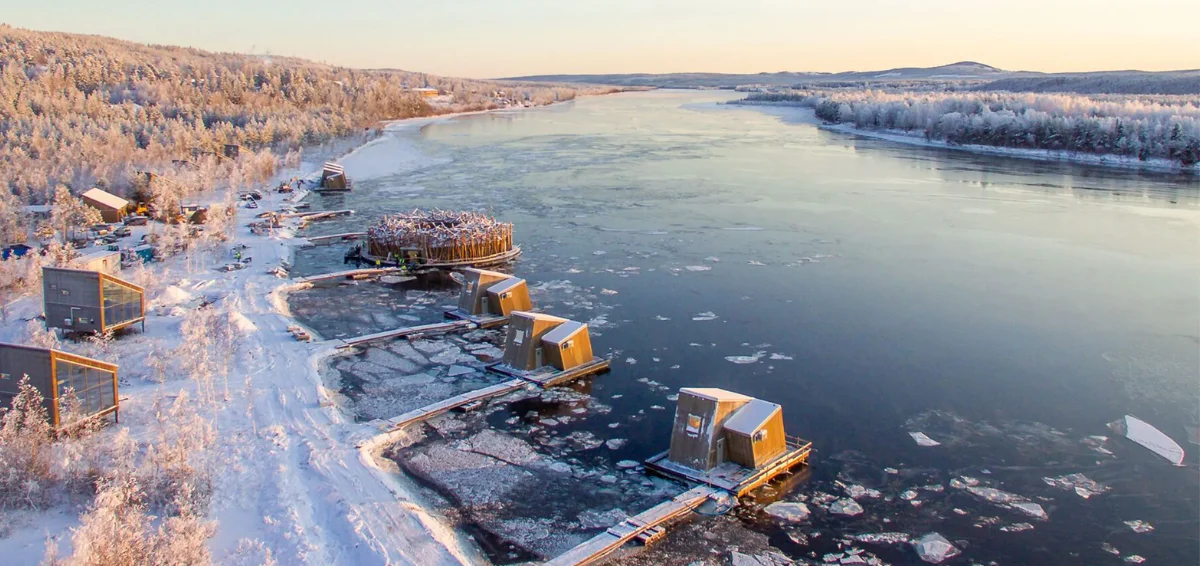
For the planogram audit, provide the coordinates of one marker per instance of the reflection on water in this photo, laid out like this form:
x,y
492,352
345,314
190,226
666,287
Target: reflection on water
x,y
879,282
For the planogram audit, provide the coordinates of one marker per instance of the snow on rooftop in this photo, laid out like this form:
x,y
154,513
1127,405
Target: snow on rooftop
x,y
106,198
715,394
539,316
751,416
563,331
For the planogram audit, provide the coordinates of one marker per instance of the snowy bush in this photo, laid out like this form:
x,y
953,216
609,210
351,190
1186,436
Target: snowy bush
x,y
25,454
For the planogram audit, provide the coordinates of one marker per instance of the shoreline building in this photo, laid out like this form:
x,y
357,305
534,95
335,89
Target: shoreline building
x,y
78,300
53,373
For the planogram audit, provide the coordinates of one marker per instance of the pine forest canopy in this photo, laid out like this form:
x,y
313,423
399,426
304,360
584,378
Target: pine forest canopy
x,y
84,110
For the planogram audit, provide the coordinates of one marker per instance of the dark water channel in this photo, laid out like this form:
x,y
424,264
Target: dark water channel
x,y
1006,308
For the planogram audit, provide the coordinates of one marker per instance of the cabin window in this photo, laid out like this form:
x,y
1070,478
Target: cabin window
x,y
760,435
519,337
66,292
694,422
4,376
567,345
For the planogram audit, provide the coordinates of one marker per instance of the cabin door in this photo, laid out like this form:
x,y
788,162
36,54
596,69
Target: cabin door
x,y
720,451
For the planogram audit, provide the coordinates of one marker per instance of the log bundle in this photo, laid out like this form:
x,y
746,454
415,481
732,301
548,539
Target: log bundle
x,y
439,235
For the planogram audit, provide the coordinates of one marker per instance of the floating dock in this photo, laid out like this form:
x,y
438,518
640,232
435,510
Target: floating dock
x,y
426,264
732,477
547,376
644,526
458,401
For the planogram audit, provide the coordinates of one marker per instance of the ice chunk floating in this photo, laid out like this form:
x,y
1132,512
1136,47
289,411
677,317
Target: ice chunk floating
x,y
1143,433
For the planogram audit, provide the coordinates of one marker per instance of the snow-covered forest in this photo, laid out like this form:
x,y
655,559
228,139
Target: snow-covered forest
x,y
1136,126
83,110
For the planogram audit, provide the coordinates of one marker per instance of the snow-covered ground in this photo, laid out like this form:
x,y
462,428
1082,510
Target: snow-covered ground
x,y
290,474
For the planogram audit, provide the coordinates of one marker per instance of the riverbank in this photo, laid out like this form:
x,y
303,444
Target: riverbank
x,y
295,477
918,139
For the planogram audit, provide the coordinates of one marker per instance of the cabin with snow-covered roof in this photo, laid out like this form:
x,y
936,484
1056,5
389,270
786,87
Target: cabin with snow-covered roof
x,y
112,207
714,426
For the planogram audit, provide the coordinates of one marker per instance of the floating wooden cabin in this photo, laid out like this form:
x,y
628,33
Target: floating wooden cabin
x,y
52,373
112,207
333,178
547,349
728,440
78,300
488,298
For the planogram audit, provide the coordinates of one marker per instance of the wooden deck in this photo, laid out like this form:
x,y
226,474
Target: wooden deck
x,y
547,377
485,261
318,215
732,477
470,398
422,330
646,524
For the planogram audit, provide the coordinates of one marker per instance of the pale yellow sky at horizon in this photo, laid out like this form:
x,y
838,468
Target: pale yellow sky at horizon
x,y
476,38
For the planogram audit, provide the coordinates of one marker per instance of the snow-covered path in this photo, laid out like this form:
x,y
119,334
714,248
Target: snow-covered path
x,y
321,500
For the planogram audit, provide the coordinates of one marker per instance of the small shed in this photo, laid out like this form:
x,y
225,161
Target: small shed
x,y
509,296
427,92
567,346
522,346
112,207
715,426
333,176
231,150
53,373
104,261
698,437
754,435
79,300
473,299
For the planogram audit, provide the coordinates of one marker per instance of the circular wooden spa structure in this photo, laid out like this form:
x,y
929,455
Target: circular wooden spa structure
x,y
436,239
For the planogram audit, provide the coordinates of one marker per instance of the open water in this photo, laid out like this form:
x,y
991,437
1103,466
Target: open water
x,y
1007,308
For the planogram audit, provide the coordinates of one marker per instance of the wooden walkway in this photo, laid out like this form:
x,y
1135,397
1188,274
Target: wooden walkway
x,y
424,329
429,411
343,237
547,377
644,523
348,274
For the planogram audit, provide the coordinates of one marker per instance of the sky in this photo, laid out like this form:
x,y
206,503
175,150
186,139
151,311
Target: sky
x,y
503,38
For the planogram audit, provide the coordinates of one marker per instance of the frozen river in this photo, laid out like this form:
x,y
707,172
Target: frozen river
x,y
1008,309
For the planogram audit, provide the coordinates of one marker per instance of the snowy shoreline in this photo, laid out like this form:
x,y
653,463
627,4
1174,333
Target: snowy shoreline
x,y
1060,156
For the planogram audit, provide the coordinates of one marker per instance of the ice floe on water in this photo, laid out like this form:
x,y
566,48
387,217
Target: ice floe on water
x,y
746,359
934,548
923,439
1079,483
1139,526
697,268
1153,439
704,316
